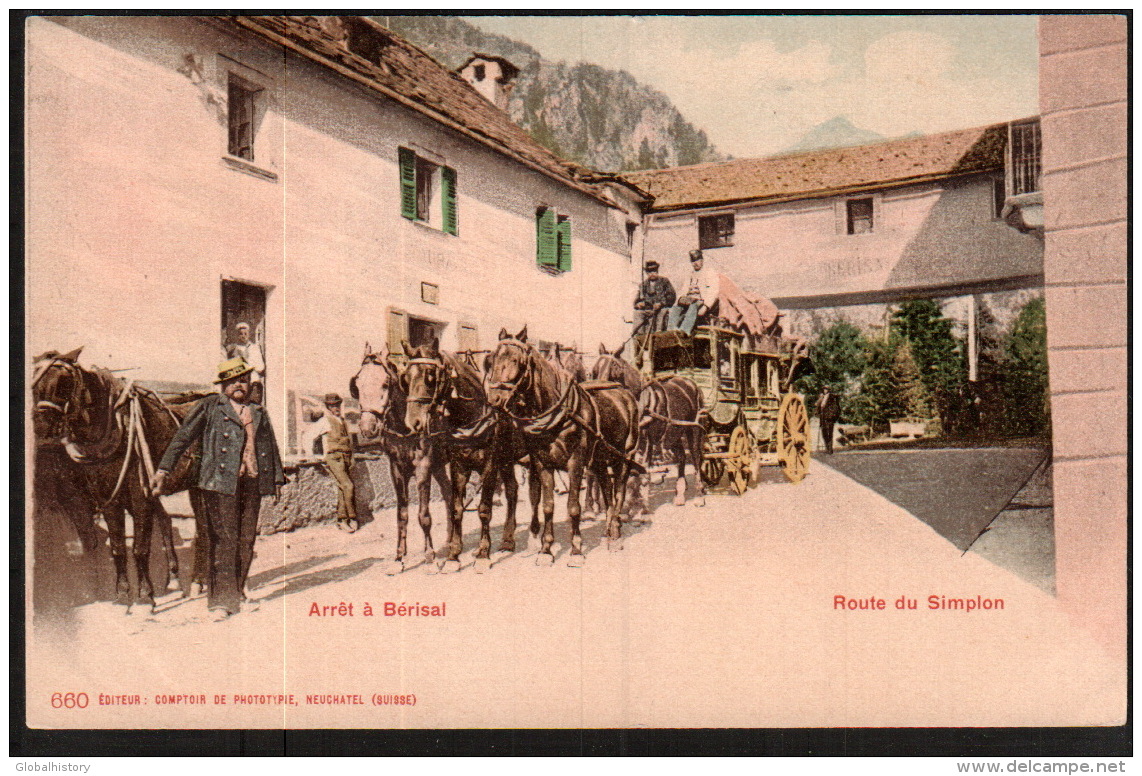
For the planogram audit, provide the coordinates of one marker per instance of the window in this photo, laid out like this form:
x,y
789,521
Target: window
x,y
716,231
428,191
998,196
552,240
1025,157
242,117
478,72
859,215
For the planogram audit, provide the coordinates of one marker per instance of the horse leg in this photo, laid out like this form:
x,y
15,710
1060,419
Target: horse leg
x,y
589,500
400,474
484,550
611,484
166,537
143,515
680,484
423,473
574,480
117,536
511,494
547,486
535,492
457,489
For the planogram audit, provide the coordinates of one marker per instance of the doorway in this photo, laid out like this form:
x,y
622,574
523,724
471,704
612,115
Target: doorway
x,y
244,329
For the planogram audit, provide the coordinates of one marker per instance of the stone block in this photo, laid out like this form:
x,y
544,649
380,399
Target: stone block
x,y
1088,370
1079,79
310,496
1091,543
1091,255
1086,316
1089,424
1087,195
1070,32
1079,136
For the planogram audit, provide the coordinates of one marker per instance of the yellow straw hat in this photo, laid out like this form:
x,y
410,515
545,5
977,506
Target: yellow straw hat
x,y
235,367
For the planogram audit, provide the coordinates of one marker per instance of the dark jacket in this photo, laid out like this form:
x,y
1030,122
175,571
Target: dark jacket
x,y
214,421
655,291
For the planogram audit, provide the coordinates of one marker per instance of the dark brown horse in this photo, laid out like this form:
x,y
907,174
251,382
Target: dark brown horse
x,y
114,431
669,411
413,457
572,428
446,402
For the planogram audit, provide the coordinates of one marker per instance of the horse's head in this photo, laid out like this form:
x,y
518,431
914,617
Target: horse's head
x,y
610,367
509,370
426,382
375,387
571,362
58,391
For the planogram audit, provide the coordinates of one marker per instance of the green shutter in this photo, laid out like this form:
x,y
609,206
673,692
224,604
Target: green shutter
x,y
545,238
448,181
563,235
407,183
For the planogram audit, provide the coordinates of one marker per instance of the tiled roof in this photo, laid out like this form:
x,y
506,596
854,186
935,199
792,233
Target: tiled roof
x,y
821,173
403,72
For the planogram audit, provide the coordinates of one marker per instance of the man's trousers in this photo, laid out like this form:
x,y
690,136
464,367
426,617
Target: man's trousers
x,y
233,529
338,463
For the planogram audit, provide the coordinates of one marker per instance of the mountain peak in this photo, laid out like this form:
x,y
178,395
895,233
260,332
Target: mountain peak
x,y
837,132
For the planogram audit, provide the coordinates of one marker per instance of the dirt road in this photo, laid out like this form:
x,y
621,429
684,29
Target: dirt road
x,y
776,608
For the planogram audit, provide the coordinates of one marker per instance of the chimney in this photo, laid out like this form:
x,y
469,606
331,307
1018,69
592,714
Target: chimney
x,y
493,77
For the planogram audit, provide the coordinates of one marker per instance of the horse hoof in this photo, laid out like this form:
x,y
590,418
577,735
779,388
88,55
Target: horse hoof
x,y
394,567
615,545
450,566
576,561
679,501
507,548
482,565
544,559
700,501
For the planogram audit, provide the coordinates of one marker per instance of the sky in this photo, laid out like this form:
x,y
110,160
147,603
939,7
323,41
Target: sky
x,y
758,84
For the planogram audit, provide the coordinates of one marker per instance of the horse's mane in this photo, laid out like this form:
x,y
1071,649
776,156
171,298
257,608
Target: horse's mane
x,y
608,364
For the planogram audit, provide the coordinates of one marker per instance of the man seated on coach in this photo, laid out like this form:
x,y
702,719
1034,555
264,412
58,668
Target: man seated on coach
x,y
699,297
655,293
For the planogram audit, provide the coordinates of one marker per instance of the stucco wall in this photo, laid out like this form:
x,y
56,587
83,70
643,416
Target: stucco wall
x,y
134,217
1082,95
931,236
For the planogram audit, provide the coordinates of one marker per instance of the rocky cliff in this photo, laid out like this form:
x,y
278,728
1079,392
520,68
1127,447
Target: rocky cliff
x,y
600,118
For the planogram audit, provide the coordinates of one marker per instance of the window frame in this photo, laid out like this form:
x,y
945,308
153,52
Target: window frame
x,y
428,190
851,219
262,160
713,234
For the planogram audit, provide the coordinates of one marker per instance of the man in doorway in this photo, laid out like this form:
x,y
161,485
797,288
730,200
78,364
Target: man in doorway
x,y
240,464
337,444
655,293
698,298
251,352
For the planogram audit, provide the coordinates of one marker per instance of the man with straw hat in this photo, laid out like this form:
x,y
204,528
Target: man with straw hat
x,y
240,464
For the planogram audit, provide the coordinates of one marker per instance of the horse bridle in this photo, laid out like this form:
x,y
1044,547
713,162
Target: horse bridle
x,y
390,372
77,390
442,373
529,360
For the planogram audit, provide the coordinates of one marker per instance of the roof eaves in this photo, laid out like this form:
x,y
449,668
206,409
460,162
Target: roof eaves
x,y
816,193
566,179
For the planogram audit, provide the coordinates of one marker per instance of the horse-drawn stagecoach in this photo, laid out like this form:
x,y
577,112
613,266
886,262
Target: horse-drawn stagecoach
x,y
751,416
